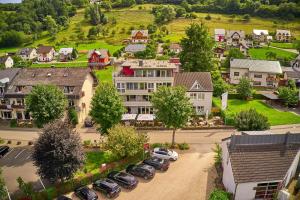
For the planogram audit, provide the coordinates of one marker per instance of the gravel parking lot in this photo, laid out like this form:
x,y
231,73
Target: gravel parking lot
x,y
187,178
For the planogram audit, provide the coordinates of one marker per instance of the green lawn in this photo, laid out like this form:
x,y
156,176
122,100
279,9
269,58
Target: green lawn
x,y
94,159
260,53
282,45
275,117
105,75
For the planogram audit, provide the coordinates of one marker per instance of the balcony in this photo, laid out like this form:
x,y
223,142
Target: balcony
x,y
271,78
136,103
117,76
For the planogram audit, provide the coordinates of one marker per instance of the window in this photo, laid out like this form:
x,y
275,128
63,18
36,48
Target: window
x,y
131,98
193,95
143,86
257,76
121,87
146,97
132,86
6,115
20,102
266,190
150,73
68,89
236,74
145,110
269,83
201,96
197,86
71,103
150,87
1,90
199,109
19,88
257,83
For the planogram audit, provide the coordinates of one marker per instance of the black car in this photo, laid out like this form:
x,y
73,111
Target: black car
x,y
158,163
108,187
3,150
86,193
63,198
123,179
141,170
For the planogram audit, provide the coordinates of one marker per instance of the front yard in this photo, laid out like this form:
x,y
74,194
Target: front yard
x,y
275,117
105,75
260,53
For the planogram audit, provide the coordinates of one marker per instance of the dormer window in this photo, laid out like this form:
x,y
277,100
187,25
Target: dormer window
x,y
19,88
197,86
69,89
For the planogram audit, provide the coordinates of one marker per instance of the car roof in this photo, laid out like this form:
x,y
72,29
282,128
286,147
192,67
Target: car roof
x,y
106,182
160,149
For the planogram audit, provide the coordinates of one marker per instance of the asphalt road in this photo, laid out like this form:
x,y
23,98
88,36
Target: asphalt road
x,y
17,163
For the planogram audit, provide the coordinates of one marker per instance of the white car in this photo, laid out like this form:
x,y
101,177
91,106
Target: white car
x,y
165,154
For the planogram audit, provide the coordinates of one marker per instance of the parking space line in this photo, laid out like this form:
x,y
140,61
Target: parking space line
x,y
7,193
20,153
42,184
8,153
28,157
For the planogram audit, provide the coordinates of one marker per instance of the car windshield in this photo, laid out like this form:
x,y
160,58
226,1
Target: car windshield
x,y
158,160
122,174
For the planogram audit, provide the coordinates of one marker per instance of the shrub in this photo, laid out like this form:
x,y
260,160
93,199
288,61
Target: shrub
x,y
87,143
1,141
244,88
208,17
218,154
219,195
73,117
13,123
183,146
251,120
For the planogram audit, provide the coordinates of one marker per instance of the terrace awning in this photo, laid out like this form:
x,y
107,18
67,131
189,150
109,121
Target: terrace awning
x,y
145,117
127,117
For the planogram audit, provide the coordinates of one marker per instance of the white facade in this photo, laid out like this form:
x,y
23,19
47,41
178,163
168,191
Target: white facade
x,y
32,55
9,63
46,57
202,101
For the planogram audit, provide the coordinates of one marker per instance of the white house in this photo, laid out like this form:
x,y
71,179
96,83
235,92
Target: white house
x,y
260,72
219,35
28,53
258,166
283,35
234,37
199,89
6,61
45,53
260,35
66,54
139,36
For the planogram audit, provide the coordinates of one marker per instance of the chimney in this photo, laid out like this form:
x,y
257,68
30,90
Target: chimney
x,y
141,63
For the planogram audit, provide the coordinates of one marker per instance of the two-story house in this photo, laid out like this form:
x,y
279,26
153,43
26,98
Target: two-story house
x,y
199,89
28,53
139,78
260,35
76,83
220,35
66,54
6,62
45,53
139,36
235,38
98,58
260,72
6,78
283,35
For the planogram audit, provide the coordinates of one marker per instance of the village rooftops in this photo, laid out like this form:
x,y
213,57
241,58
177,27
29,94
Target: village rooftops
x,y
189,80
133,48
44,49
65,51
26,51
260,32
3,59
7,75
262,158
257,65
27,78
152,64
283,32
143,32
103,53
220,31
231,33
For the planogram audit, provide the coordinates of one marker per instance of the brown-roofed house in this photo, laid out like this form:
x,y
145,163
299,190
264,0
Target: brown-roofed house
x,y
45,53
76,83
175,47
257,166
199,88
139,36
28,53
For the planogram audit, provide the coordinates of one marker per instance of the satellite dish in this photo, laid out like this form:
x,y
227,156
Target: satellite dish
x,y
4,80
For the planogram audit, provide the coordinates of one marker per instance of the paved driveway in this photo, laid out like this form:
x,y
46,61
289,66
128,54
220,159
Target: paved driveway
x,y
17,163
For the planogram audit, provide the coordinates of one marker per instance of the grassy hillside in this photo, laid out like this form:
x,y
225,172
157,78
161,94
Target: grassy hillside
x,y
140,15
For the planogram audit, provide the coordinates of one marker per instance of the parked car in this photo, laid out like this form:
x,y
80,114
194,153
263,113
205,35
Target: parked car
x,y
141,170
85,193
108,187
88,122
63,198
165,154
123,179
3,150
158,163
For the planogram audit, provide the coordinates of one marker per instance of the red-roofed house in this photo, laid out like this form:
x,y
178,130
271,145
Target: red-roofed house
x,y
98,58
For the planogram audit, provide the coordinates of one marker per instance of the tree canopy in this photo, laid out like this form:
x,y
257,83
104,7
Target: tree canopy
x,y
124,141
46,103
251,120
106,106
172,107
197,49
58,152
244,88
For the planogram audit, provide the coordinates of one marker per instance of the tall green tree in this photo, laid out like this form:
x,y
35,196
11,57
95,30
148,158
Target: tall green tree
x,y
106,106
58,152
220,86
124,141
197,49
244,88
163,14
94,14
172,107
51,25
46,103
